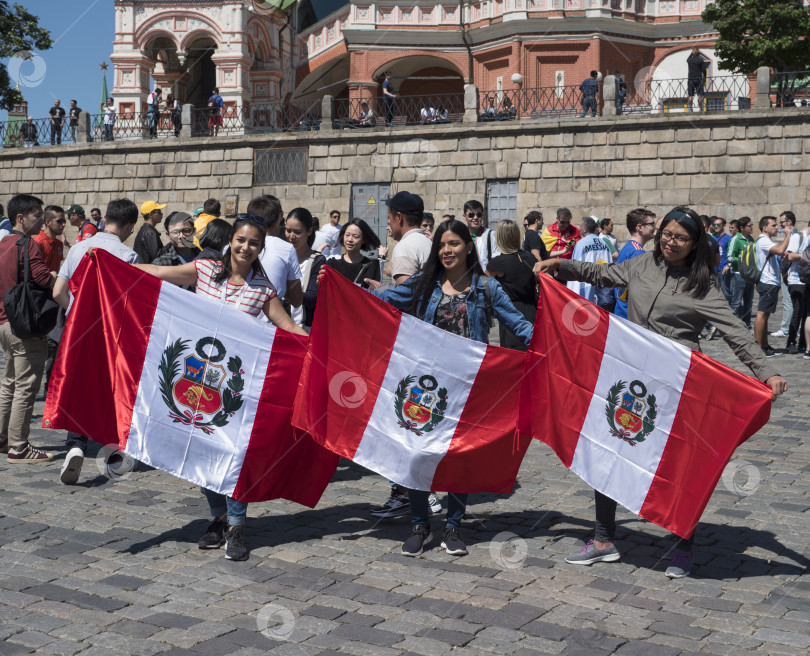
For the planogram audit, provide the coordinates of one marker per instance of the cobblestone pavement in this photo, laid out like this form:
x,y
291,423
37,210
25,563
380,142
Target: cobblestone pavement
x,y
112,567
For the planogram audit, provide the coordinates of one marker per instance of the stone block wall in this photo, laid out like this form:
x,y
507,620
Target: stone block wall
x,y
730,164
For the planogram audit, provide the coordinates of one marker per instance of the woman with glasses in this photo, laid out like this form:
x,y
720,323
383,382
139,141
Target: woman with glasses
x,y
355,237
452,293
236,280
673,291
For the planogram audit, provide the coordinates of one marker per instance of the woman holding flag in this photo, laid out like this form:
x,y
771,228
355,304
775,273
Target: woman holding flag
x,y
239,281
453,293
672,291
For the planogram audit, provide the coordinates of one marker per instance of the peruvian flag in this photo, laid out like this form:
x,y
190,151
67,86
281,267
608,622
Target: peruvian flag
x,y
187,385
427,409
637,416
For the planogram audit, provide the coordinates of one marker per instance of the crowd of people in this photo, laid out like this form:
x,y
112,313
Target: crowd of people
x,y
458,276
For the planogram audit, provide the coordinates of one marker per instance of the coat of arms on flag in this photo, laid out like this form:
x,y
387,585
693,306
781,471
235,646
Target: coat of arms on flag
x,y
199,386
627,419
416,406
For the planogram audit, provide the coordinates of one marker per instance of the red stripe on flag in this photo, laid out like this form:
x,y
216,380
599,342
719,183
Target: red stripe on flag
x,y
702,440
562,367
350,345
110,298
480,459
279,464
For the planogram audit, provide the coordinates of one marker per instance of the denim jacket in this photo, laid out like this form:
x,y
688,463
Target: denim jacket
x,y
402,295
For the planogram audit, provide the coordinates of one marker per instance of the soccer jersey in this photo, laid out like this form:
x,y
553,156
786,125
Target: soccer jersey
x,y
631,249
590,248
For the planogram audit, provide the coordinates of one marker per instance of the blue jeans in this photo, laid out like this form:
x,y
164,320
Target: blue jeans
x,y
420,515
221,505
742,298
725,284
588,102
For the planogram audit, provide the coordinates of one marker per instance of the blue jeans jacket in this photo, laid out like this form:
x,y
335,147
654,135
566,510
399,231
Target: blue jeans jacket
x,y
402,295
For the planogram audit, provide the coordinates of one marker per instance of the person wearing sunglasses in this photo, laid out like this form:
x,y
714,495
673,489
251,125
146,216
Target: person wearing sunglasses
x,y
179,227
237,280
50,237
673,292
483,238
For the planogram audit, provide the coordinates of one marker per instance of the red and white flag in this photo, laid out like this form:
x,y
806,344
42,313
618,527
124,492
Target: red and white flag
x,y
427,409
187,385
640,418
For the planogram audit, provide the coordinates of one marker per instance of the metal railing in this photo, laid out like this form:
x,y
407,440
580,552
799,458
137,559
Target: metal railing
x,y
130,126
713,94
540,102
402,110
790,89
257,118
38,132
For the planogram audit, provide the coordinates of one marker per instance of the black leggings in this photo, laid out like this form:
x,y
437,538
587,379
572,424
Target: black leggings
x,y
606,522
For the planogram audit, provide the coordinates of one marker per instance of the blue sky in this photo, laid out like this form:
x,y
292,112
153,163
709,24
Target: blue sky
x,y
82,32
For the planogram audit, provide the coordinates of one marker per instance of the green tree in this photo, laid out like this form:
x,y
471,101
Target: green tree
x,y
754,33
21,33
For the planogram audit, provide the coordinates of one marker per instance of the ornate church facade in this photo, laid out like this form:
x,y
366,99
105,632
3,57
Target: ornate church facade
x,y
255,52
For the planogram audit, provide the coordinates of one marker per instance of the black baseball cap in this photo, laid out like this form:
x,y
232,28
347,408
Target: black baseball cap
x,y
407,203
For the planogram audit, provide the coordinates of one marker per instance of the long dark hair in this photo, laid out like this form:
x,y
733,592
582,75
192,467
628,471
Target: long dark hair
x,y
304,217
370,239
256,266
701,260
217,234
433,267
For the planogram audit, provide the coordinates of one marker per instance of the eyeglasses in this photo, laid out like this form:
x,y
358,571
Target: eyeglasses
x,y
681,240
187,232
252,218
475,214
651,223
716,225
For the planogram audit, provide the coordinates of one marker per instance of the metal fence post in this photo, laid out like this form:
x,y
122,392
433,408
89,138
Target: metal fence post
x,y
327,103
471,103
609,96
763,98
83,134
186,120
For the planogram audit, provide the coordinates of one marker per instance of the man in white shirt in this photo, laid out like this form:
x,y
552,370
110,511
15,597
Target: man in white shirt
x,y
484,238
768,254
122,214
591,248
279,261
326,239
795,287
405,212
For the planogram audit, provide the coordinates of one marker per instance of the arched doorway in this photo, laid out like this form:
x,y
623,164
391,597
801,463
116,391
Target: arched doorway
x,y
200,71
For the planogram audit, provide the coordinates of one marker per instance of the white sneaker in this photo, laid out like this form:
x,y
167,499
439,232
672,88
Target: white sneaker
x,y
434,505
72,466
778,333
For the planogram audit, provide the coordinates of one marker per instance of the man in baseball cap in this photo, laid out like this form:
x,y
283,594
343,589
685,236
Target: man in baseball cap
x,y
75,214
147,242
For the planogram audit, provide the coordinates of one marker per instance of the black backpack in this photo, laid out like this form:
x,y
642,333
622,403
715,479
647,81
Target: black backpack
x,y
31,310
804,267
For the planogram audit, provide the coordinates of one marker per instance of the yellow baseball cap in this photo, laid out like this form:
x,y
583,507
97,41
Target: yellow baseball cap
x,y
150,205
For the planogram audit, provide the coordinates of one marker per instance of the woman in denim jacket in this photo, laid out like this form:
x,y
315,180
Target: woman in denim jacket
x,y
452,293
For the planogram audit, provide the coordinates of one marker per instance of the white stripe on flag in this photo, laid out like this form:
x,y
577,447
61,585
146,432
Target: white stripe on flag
x,y
420,349
213,461
611,465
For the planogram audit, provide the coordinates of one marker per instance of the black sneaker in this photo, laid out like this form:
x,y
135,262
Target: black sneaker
x,y
398,504
415,544
807,354
452,544
769,352
235,549
792,349
214,536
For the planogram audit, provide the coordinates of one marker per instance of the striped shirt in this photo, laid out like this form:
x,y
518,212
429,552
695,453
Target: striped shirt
x,y
249,297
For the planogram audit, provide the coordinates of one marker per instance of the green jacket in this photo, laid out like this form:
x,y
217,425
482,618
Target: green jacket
x,y
657,302
735,249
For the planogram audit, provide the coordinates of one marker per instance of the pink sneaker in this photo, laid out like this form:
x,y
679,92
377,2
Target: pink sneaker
x,y
28,456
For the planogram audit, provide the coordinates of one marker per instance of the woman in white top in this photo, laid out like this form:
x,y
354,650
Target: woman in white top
x,y
299,229
236,280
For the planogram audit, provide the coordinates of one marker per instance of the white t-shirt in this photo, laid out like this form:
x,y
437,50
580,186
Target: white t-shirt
x,y
485,243
328,234
590,248
410,254
280,263
798,244
103,240
768,263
